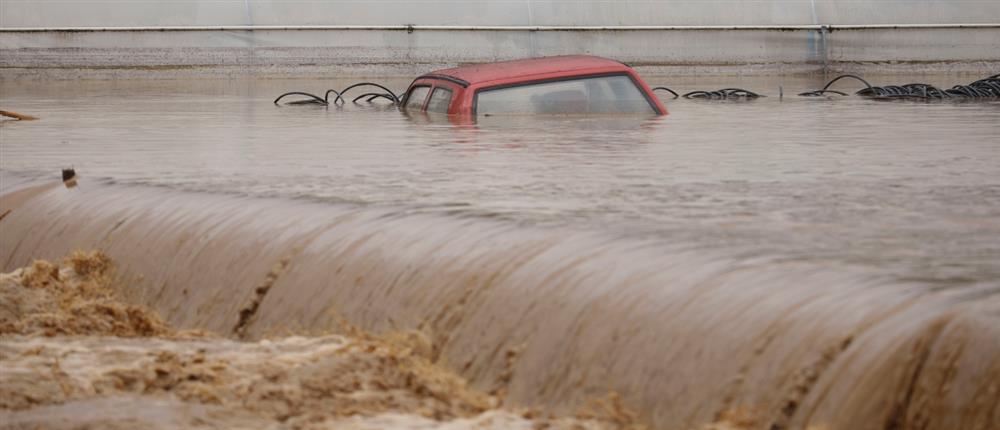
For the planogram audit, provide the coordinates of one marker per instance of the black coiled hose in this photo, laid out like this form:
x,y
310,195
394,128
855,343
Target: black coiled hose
x,y
667,90
826,89
723,94
983,88
339,99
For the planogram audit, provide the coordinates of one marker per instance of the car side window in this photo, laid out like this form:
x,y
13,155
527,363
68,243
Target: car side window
x,y
415,99
440,100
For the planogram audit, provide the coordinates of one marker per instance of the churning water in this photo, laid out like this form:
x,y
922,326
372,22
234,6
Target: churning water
x,y
828,261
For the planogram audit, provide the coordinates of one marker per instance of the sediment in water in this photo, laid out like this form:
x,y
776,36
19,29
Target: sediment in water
x,y
549,317
68,345
73,298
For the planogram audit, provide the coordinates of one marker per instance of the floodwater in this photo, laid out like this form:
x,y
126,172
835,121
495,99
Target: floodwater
x,y
911,187
75,356
826,261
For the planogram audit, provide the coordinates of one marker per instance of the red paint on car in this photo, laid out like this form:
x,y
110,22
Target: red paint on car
x,y
564,84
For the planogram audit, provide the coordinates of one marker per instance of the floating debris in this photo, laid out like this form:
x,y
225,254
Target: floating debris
x,y
69,177
17,116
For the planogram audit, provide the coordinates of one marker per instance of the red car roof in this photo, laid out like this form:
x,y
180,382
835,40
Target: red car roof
x,y
506,70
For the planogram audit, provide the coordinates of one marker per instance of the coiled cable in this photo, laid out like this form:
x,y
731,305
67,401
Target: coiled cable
x,y
986,88
339,99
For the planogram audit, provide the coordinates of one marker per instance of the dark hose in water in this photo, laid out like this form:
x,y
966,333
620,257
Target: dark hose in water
x,y
827,86
339,99
373,96
723,94
986,88
667,90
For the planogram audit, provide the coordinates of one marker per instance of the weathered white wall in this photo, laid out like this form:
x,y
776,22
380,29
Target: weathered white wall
x,y
137,13
149,46
389,52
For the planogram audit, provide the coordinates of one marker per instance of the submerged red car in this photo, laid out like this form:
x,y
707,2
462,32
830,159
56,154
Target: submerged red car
x,y
572,84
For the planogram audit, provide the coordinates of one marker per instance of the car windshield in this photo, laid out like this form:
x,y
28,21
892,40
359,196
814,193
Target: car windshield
x,y
604,94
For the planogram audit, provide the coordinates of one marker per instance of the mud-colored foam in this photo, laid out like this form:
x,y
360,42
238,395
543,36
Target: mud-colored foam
x,y
548,317
72,298
69,344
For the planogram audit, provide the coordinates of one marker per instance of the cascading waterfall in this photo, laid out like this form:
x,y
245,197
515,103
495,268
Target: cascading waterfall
x,y
550,316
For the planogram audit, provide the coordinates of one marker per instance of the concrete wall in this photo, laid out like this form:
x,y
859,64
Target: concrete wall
x,y
53,38
398,52
137,13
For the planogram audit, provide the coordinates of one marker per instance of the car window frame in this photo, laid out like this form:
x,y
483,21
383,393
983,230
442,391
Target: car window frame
x,y
430,96
645,95
423,104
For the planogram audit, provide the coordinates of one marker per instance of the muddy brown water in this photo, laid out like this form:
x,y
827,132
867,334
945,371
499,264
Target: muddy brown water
x,y
829,262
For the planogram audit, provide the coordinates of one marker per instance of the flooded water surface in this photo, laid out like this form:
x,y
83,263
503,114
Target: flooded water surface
x,y
830,261
909,185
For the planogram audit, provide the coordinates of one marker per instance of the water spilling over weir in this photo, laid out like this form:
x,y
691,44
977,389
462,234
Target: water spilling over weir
x,y
549,315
